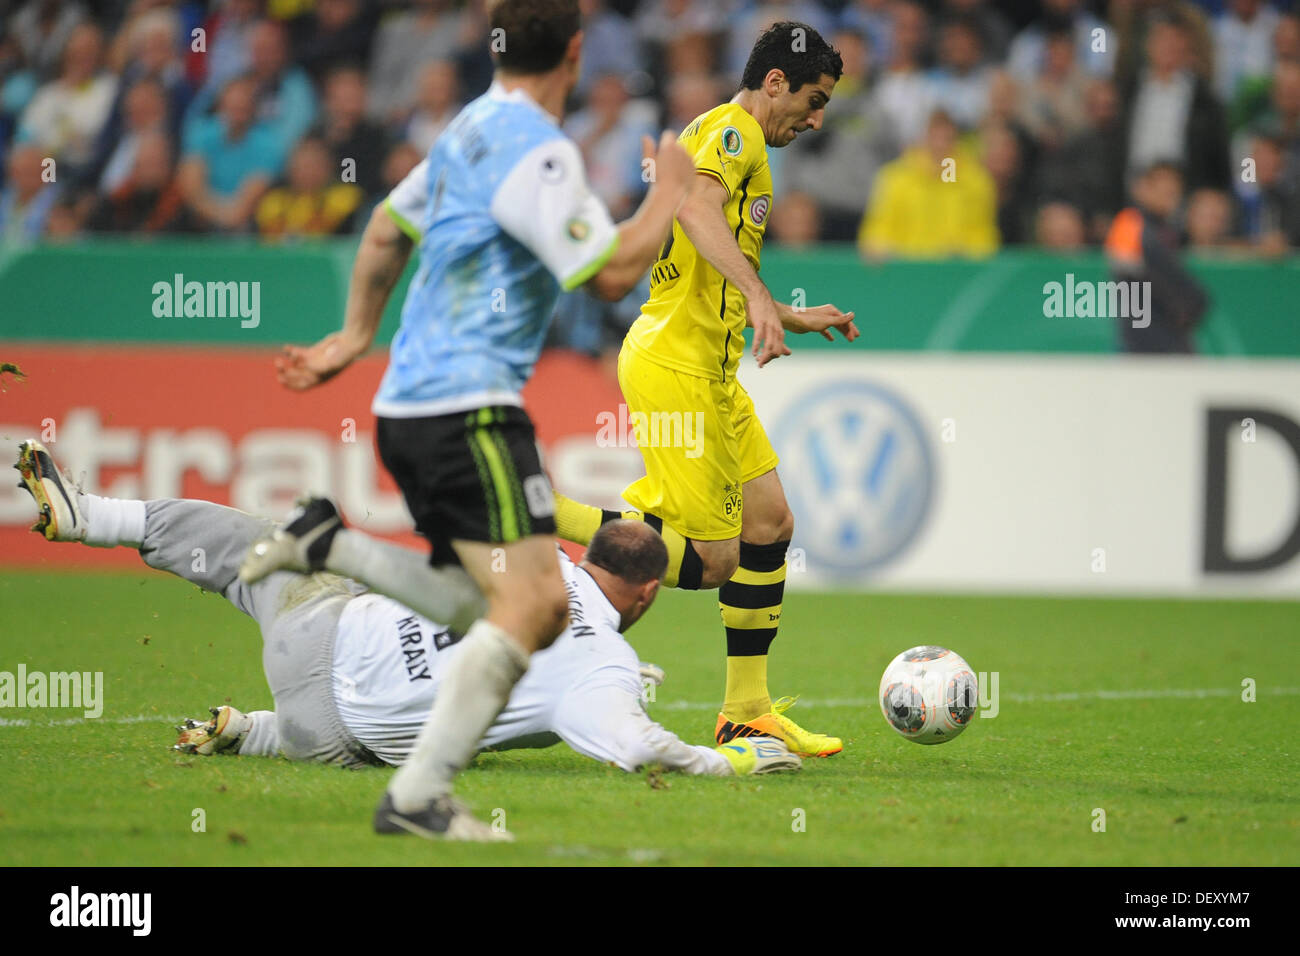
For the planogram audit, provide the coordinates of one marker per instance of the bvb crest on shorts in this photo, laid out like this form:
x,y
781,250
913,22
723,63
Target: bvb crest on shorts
x,y
732,501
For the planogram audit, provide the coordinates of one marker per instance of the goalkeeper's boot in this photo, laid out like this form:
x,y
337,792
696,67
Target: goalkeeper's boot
x,y
758,755
775,724
60,518
301,544
226,730
444,818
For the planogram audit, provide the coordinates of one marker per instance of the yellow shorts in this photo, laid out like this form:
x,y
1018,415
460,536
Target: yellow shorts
x,y
701,441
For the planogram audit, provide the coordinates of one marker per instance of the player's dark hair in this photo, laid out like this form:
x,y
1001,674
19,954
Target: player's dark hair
x,y
630,550
534,33
804,57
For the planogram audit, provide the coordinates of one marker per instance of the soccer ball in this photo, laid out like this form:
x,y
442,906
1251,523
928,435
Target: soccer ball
x,y
928,694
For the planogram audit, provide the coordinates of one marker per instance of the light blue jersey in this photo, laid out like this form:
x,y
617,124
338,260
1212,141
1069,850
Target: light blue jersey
x,y
507,220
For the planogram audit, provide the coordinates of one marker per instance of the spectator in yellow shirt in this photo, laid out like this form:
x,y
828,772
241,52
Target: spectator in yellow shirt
x,y
936,200
312,202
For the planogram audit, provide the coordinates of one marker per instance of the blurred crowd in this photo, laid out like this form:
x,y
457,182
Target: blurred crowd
x,y
958,127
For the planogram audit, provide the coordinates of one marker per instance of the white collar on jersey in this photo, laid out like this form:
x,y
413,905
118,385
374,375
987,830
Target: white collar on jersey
x,y
519,95
607,609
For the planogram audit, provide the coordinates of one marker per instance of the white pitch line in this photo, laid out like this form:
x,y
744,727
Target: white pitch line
x,y
75,721
1151,694
1161,693
1156,694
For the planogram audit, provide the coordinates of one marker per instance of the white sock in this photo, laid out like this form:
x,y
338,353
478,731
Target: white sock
x,y
487,666
264,738
112,521
447,595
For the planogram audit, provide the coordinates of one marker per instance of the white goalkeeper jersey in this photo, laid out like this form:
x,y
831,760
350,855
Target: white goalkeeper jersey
x,y
584,690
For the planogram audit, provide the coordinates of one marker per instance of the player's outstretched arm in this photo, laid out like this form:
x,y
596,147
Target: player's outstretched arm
x,y
607,723
818,318
381,258
705,224
641,236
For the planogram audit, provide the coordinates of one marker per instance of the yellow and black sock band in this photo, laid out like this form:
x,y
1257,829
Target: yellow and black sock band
x,y
751,600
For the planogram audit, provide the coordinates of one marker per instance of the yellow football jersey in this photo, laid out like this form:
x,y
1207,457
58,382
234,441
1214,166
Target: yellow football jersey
x,y
694,320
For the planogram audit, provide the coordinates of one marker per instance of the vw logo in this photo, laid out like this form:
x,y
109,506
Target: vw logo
x,y
857,469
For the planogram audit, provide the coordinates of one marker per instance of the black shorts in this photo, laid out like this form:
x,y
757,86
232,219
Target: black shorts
x,y
472,476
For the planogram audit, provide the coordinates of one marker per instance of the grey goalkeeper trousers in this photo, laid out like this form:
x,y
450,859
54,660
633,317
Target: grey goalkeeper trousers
x,y
204,543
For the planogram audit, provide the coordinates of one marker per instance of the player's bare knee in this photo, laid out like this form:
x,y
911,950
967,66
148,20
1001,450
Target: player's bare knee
x,y
784,529
719,563
716,577
770,528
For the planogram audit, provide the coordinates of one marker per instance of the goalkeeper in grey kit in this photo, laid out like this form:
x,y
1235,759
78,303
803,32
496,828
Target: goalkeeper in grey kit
x,y
353,673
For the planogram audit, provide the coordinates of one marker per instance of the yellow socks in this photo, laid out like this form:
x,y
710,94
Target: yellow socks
x,y
577,522
747,695
751,612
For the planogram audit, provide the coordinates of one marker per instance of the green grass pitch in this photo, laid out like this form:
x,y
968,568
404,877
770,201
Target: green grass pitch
x,y
1133,707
